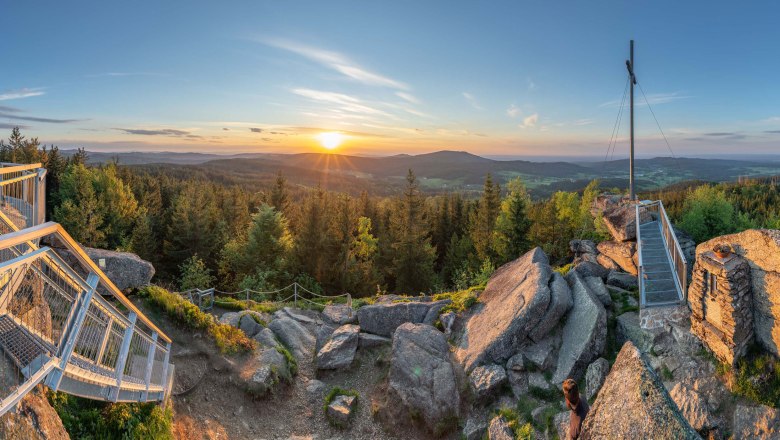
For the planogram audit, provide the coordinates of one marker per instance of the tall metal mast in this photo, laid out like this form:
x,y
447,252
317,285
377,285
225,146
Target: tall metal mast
x,y
632,80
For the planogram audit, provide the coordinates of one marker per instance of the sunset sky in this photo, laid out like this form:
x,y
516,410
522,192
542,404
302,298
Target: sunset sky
x,y
520,78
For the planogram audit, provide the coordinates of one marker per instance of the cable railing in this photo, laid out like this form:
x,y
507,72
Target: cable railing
x,y
206,298
23,193
654,211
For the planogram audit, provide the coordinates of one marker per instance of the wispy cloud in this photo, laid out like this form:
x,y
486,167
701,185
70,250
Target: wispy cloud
x,y
513,111
652,99
21,93
346,103
123,74
581,122
255,130
37,119
472,100
4,126
530,121
160,132
337,62
408,97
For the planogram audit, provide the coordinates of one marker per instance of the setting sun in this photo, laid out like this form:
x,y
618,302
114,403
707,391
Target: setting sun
x,y
330,140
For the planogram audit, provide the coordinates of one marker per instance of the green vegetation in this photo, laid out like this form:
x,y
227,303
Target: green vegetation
x,y
756,377
523,431
90,419
228,338
292,363
462,300
195,275
335,392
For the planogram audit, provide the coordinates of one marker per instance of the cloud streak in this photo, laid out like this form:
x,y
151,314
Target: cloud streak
x,y
652,99
171,132
530,121
337,62
472,100
21,93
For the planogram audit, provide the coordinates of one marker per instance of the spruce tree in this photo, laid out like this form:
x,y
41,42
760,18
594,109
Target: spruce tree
x,y
483,222
513,225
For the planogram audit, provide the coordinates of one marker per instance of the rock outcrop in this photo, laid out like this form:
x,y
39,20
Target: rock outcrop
x,y
297,338
585,332
382,319
761,250
621,252
487,380
422,375
756,422
620,220
622,280
634,404
340,349
339,314
694,408
595,376
499,429
597,286
521,301
33,419
126,270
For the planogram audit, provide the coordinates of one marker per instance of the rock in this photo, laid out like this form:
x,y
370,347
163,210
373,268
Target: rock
x,y
761,249
300,315
590,269
542,354
621,252
694,408
561,424
537,380
367,340
595,376
33,419
560,303
511,307
607,263
537,414
474,429
248,325
315,386
517,376
422,375
126,270
266,338
687,246
383,319
299,340
340,409
622,280
634,404
756,422
230,318
433,313
585,333
340,349
499,429
580,247
487,380
597,286
264,371
620,220
628,329
447,320
322,334
339,314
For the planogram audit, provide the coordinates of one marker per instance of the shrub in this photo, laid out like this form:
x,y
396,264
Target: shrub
x,y
563,270
228,338
523,431
91,419
462,300
756,377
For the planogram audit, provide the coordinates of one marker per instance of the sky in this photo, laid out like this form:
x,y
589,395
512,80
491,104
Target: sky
x,y
508,79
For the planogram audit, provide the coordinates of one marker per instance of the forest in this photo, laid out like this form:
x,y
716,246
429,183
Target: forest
x,y
203,232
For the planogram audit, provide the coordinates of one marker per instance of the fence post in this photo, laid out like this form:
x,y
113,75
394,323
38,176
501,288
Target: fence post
x,y
123,352
295,294
247,295
149,367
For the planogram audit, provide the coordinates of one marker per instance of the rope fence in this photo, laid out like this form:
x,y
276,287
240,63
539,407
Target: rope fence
x,y
206,298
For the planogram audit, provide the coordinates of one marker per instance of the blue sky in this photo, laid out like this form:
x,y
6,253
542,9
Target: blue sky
x,y
531,78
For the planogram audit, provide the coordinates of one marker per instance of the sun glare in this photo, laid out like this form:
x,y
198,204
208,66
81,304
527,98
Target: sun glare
x,y
330,140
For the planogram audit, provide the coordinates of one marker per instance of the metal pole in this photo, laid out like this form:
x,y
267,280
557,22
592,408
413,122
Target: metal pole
x,y
295,294
632,79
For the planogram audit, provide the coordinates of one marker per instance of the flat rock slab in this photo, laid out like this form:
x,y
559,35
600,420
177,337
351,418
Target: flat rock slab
x,y
598,287
499,429
633,404
339,351
422,376
756,422
694,408
367,340
383,319
622,280
585,333
621,253
513,304
297,338
339,314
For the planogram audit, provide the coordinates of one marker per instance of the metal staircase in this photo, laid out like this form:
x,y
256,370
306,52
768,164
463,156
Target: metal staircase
x,y
63,323
662,265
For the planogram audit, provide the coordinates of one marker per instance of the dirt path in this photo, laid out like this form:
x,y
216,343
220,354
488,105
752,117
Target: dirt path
x,y
218,407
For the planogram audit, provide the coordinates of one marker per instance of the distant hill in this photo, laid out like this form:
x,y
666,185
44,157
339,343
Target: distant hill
x,y
438,172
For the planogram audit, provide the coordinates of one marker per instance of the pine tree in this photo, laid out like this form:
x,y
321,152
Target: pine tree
x,y
363,275
195,274
279,198
312,238
195,227
513,225
483,221
413,255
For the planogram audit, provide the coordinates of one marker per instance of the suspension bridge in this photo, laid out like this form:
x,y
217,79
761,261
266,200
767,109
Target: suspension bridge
x,y
63,323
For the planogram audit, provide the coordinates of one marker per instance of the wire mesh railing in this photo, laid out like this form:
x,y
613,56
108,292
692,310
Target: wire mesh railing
x,y
22,193
654,211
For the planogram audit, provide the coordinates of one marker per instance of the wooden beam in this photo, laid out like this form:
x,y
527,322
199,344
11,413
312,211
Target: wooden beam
x,y
15,168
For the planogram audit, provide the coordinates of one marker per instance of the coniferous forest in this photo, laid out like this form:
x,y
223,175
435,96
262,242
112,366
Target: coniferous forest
x,y
198,230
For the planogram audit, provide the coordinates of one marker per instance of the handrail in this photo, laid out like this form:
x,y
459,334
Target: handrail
x,y
8,167
49,228
671,244
640,260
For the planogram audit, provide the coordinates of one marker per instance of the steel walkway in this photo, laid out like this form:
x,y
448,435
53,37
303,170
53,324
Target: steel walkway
x,y
56,326
662,265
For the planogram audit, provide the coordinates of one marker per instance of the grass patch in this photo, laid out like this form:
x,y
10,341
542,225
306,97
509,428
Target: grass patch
x,y
666,373
563,270
462,300
318,304
228,339
546,394
90,419
291,361
522,431
756,377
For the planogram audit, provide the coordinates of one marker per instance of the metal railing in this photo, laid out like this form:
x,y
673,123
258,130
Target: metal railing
x,y
23,193
654,211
